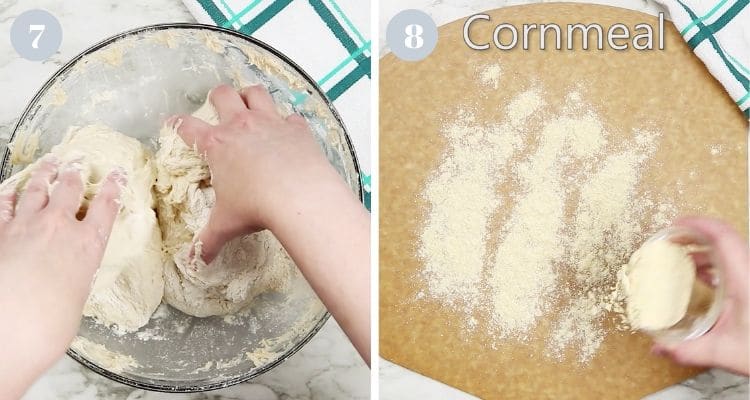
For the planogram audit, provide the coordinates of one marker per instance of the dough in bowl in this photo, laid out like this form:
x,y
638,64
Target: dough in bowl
x,y
146,258
244,268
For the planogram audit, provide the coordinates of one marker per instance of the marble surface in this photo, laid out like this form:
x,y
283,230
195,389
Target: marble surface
x,y
398,383
326,368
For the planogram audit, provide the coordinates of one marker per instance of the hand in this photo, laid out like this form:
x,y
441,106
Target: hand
x,y
268,172
726,344
257,159
48,262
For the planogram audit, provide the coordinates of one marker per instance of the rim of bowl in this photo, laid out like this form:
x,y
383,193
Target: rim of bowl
x,y
253,373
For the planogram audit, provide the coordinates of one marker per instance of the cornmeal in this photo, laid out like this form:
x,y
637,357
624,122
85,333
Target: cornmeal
x,y
657,282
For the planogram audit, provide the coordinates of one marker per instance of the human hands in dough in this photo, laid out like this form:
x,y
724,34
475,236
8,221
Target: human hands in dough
x,y
49,258
726,344
257,159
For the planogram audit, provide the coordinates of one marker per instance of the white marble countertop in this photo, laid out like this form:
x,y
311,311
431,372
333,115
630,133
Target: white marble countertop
x,y
398,383
326,368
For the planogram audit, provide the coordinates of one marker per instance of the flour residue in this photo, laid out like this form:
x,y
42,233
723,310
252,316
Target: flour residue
x,y
105,358
59,97
23,148
114,53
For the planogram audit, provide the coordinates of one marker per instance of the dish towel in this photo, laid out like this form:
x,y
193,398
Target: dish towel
x,y
329,39
718,31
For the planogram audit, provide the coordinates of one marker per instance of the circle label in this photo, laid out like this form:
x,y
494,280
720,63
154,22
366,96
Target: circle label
x,y
411,35
36,35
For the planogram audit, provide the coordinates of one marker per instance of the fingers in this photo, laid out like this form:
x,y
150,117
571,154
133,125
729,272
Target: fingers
x,y
193,131
715,348
68,190
222,227
731,248
210,245
35,196
104,207
698,352
212,238
7,204
227,102
258,98
711,227
718,232
296,119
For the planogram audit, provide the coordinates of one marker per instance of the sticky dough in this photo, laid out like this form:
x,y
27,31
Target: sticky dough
x,y
129,284
244,268
146,259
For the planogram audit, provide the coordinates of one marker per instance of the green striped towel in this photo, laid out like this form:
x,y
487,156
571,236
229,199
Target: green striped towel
x,y
329,39
718,31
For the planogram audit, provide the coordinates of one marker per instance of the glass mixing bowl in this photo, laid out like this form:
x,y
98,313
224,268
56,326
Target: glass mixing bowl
x,y
707,294
133,82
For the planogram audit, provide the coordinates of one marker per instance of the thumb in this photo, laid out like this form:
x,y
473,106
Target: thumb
x,y
193,131
731,247
698,352
222,227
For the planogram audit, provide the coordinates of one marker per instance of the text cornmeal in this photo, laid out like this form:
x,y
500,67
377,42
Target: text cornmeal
x,y
618,36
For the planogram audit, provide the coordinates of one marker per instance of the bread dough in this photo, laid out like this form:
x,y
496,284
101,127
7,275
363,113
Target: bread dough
x,y
129,284
139,268
245,267
658,282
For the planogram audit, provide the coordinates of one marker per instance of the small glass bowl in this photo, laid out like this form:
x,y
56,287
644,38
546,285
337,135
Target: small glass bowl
x,y
707,295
